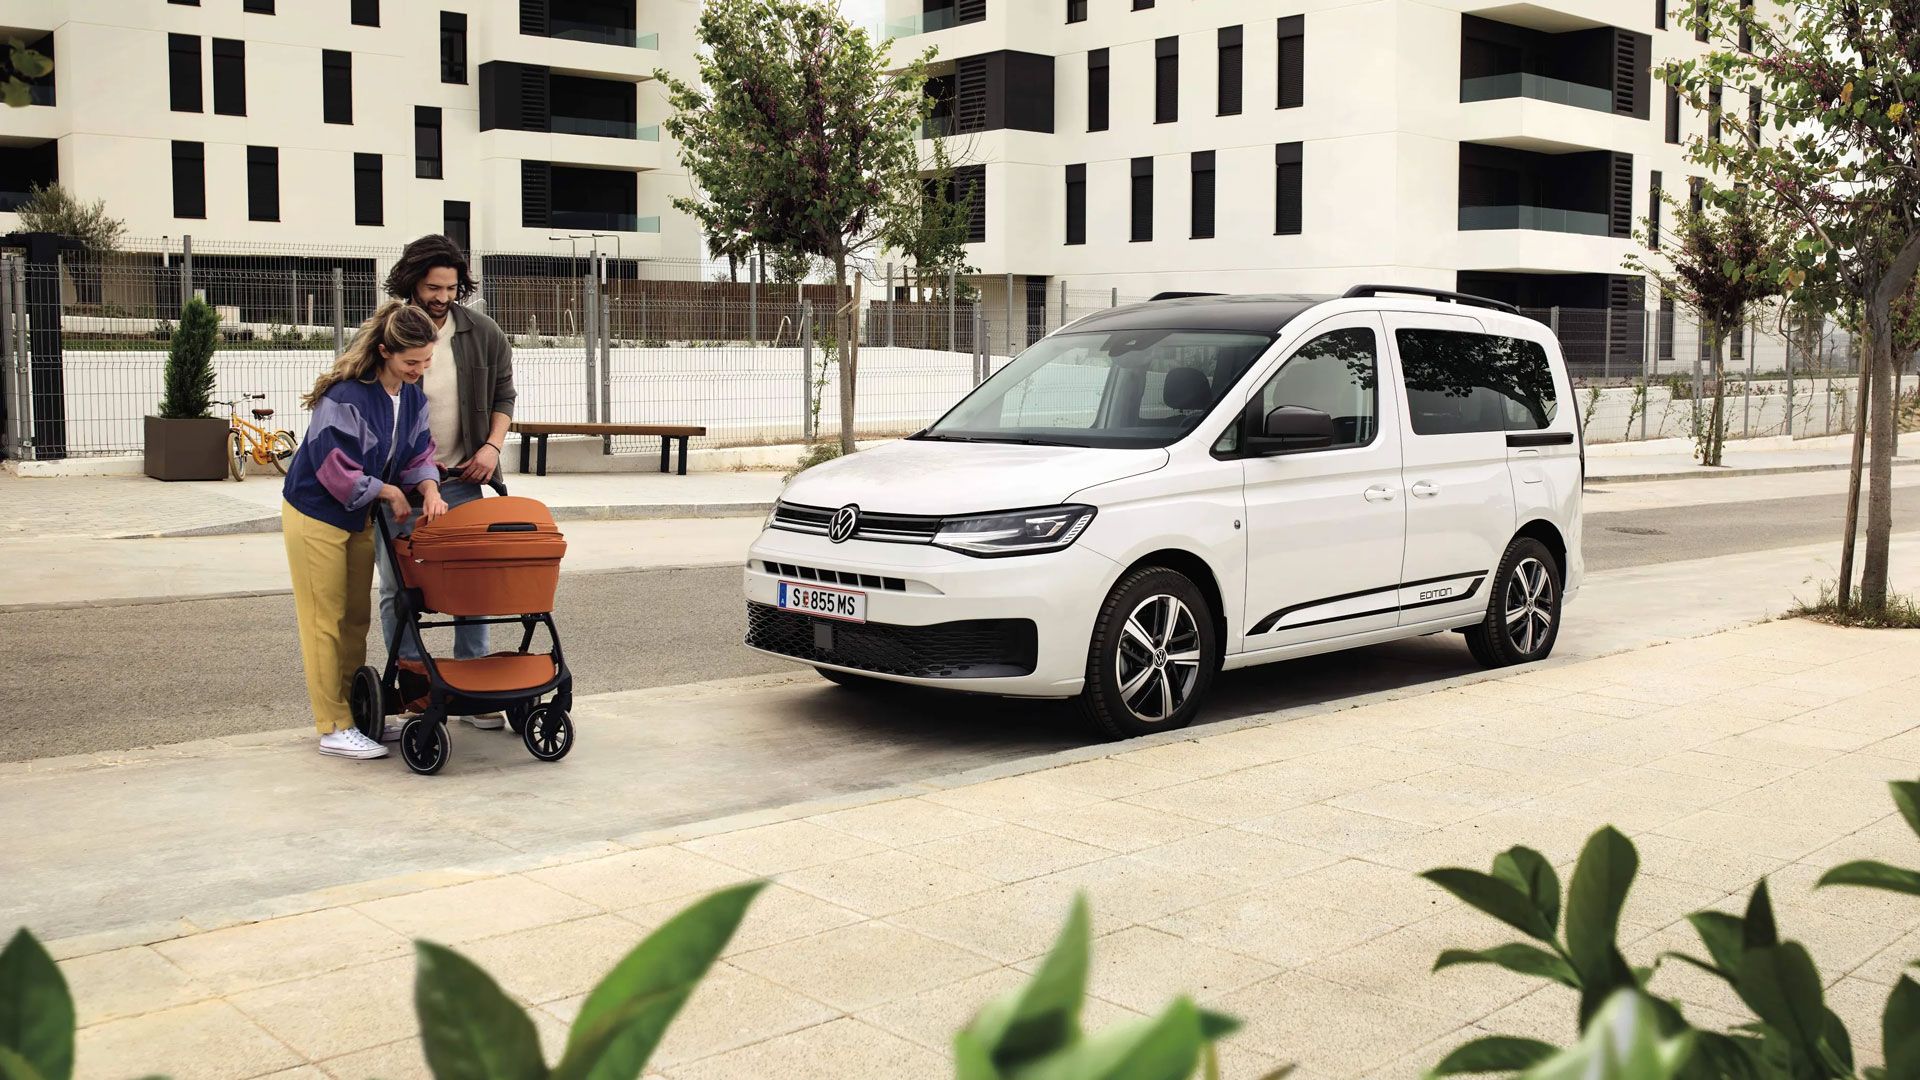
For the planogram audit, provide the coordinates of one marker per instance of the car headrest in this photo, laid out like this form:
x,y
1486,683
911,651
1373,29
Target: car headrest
x,y
1187,390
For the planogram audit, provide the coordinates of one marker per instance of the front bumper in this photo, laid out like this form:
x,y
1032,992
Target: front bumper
x,y
1015,626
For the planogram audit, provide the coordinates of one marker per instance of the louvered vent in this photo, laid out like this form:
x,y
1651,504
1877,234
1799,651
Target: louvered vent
x,y
1626,73
536,91
970,11
533,17
970,94
536,195
1620,206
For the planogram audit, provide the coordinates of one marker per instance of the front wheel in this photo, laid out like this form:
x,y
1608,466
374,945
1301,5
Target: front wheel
x,y
1523,612
548,732
424,745
280,450
1153,655
237,455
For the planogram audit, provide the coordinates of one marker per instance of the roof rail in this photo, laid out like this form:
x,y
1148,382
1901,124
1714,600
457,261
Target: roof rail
x,y
1181,295
1468,299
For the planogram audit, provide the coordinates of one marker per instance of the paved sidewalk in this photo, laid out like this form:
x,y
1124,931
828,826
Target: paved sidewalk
x,y
1267,869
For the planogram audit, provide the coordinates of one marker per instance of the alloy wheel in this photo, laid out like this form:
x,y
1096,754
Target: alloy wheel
x,y
1529,606
1158,661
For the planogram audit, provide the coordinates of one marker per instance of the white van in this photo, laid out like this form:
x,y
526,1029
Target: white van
x,y
1159,492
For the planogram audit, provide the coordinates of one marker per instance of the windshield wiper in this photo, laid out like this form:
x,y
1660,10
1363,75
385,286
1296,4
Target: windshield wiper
x,y
1015,440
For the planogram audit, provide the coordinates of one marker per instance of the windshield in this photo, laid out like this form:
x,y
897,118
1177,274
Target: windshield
x,y
1129,389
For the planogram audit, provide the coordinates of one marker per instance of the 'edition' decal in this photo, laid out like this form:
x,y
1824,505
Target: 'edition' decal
x,y
1445,591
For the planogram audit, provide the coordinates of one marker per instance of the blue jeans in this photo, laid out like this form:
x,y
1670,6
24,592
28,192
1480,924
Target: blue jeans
x,y
469,639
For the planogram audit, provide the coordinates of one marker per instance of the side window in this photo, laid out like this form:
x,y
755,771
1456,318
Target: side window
x,y
1335,373
1461,382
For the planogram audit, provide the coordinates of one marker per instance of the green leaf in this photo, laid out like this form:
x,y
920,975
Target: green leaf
x,y
1622,1043
1758,930
16,94
1043,1016
1607,867
1495,897
1782,987
1529,871
589,1046
659,974
15,1067
1838,1044
1723,1057
469,1029
1724,937
1906,796
971,1060
29,64
1869,874
1494,1053
36,1011
1216,1026
1519,957
1900,1030
1164,1048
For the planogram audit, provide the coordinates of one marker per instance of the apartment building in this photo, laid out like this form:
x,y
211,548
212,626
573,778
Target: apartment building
x,y
510,125
1507,149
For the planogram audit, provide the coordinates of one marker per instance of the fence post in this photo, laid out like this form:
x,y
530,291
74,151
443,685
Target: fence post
x,y
606,362
753,301
339,311
589,325
9,368
1115,300
1790,386
186,269
953,283
1606,347
890,305
1746,406
806,371
1649,362
1009,314
1553,321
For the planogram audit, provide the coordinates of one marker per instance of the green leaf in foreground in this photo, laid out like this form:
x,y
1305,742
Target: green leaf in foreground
x,y
469,1029
1518,957
1495,1053
36,1010
1869,874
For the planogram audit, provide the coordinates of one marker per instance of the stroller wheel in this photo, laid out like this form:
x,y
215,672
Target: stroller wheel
x,y
517,716
548,733
424,744
368,702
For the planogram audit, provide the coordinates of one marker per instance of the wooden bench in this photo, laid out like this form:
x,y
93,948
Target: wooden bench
x,y
540,430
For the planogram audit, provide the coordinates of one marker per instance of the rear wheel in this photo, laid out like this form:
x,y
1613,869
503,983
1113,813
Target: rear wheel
x,y
237,455
367,699
1153,655
280,450
1523,612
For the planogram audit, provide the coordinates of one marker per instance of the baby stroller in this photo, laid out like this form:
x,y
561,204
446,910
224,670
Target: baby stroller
x,y
497,560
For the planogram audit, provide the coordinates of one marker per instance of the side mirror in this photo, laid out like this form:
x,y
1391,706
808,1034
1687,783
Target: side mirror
x,y
1294,427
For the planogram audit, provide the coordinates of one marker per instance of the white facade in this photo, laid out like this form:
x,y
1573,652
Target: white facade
x,y
114,120
1381,125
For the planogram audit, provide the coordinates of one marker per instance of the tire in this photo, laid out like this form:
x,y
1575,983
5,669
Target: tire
x,y
367,699
548,733
424,745
237,455
1131,691
280,450
517,716
1523,608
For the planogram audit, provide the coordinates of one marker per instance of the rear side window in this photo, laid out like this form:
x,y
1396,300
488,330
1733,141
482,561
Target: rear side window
x,y
1461,382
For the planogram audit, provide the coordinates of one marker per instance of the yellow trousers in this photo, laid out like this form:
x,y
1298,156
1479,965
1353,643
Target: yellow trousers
x,y
332,573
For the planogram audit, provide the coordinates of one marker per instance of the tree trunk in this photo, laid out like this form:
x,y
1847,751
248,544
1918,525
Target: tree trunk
x,y
1883,436
1847,541
848,357
1717,433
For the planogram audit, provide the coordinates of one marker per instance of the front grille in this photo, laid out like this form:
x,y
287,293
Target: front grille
x,y
834,577
976,649
884,528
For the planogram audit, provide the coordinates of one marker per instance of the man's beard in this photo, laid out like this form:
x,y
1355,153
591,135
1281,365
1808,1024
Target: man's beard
x,y
435,308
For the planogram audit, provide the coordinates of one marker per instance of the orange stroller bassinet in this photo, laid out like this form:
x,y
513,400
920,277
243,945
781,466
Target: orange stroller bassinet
x,y
494,561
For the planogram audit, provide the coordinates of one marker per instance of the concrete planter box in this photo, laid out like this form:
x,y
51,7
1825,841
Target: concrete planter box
x,y
186,449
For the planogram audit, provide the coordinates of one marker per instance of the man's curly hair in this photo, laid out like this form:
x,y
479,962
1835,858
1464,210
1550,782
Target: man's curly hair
x,y
424,254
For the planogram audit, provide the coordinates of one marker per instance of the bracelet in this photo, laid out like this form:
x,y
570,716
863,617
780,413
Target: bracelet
x,y
498,449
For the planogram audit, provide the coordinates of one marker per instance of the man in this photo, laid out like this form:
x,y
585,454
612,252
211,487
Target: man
x,y
469,388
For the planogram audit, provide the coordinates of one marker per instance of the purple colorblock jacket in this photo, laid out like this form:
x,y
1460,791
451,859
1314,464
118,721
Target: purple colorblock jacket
x,y
348,454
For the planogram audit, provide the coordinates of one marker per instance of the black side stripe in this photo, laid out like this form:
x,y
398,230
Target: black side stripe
x,y
1268,624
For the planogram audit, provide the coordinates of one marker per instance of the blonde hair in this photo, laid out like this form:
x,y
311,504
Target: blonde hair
x,y
398,326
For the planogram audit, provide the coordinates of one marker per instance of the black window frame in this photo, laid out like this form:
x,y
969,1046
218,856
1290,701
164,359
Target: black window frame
x,y
189,180
1099,90
1673,115
1746,26
263,183
1203,199
1292,63
1076,205
185,80
1756,114
460,210
1659,14
1702,10
1696,195
1076,11
1716,111
1142,5
369,190
229,76
336,86
1233,78
258,7
1289,189
1166,80
363,12
428,135
453,48
1140,202
1656,202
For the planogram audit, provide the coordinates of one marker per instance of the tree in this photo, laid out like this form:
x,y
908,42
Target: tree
x,y
19,67
1722,261
935,239
51,208
189,373
802,136
1840,84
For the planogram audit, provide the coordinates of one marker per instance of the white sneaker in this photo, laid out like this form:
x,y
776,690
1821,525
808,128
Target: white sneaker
x,y
394,725
491,721
350,743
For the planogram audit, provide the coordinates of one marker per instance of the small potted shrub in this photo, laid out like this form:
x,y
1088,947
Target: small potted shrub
x,y
186,441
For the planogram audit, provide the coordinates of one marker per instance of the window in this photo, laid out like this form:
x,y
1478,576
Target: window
x,y
453,47
183,72
1203,195
336,86
263,183
1286,189
185,3
1459,383
369,205
459,228
426,143
1142,199
1714,96
366,12
229,77
1746,25
1076,11
1673,114
1232,60
1142,5
1076,204
1336,373
1293,61
1659,14
1128,388
1663,345
258,7
1696,194
1756,120
1166,80
1097,90
189,180
1656,192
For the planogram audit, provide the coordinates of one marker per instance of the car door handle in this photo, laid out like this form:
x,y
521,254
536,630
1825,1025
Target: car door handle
x,y
1424,489
1380,493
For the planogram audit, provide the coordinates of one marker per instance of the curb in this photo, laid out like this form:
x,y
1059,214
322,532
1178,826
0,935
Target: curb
x,y
1725,472
626,512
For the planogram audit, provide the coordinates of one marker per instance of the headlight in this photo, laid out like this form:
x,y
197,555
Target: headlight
x,y
1023,532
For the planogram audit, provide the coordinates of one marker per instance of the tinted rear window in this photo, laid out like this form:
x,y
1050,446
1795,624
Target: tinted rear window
x,y
1460,382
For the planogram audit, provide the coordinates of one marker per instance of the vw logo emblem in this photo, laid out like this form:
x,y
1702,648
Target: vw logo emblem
x,y
845,521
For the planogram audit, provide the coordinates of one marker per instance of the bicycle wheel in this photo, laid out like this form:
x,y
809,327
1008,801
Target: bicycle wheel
x,y
237,455
280,450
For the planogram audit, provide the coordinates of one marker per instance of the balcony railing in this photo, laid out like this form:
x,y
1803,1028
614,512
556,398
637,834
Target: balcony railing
x,y
601,34
1538,87
12,200
1541,218
604,220
589,125
914,25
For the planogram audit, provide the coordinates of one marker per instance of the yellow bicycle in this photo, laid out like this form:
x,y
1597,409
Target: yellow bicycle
x,y
251,441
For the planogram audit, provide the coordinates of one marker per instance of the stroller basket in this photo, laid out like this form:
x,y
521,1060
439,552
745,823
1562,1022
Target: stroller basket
x,y
487,557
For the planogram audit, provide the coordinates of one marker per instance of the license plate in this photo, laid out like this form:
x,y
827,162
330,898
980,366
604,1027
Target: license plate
x,y
824,603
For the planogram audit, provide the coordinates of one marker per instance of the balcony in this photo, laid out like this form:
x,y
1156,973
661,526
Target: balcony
x,y
22,167
600,34
1540,218
935,15
592,22
1580,194
605,221
1520,84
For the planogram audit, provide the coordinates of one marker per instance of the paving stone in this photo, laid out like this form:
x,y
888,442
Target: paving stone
x,y
1010,923
632,878
1109,778
475,910
778,848
734,1008
778,914
1143,969
276,950
341,1012
900,822
845,1049
209,1039
555,961
1330,828
885,882
1334,1029
860,966
1280,932
127,982
1009,853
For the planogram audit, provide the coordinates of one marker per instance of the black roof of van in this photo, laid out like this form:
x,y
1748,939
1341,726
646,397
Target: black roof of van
x,y
1265,314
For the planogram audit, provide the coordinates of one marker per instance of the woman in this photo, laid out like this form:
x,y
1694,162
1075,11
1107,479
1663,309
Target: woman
x,y
369,441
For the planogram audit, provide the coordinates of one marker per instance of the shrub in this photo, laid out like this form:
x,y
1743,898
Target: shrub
x,y
189,373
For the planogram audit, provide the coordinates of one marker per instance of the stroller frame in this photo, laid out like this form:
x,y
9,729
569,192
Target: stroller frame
x,y
545,728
